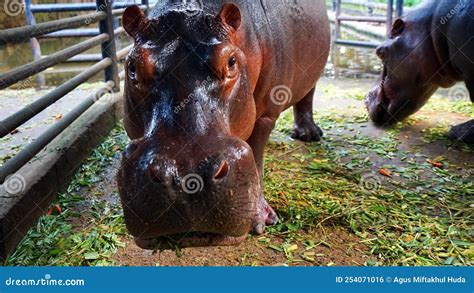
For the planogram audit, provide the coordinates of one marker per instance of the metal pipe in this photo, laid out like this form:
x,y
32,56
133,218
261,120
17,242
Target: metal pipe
x,y
363,18
362,44
389,17
66,7
24,33
77,33
34,44
72,33
29,111
31,150
338,22
400,8
27,70
108,48
123,53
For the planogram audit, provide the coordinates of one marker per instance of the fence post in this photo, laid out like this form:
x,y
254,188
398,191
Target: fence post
x,y
34,44
338,22
108,48
146,2
399,8
389,16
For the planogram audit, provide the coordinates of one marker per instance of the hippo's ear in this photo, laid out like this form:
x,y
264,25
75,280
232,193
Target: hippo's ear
x,y
230,15
397,28
134,20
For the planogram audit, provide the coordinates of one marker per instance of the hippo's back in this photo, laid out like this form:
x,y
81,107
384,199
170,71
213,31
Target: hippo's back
x,y
294,36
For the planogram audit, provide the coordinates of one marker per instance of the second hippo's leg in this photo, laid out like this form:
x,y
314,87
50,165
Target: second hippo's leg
x,y
465,132
305,128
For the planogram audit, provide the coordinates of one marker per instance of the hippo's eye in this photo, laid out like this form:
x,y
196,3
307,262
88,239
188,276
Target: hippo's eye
x,y
231,71
232,61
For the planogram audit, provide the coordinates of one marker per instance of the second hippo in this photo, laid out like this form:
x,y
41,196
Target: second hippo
x,y
432,47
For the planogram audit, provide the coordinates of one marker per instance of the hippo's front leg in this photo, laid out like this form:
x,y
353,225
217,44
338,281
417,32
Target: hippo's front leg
x,y
464,132
259,138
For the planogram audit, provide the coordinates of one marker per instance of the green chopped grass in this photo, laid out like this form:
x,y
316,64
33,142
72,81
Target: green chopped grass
x,y
422,216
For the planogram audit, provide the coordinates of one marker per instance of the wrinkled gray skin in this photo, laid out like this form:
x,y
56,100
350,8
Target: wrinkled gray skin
x,y
432,47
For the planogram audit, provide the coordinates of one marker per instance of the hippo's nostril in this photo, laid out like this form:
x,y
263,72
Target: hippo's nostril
x,y
222,171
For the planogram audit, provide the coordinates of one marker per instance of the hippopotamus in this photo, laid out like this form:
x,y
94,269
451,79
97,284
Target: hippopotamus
x,y
432,47
204,87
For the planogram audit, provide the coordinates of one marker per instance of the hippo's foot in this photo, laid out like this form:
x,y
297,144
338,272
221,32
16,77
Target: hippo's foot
x,y
266,216
463,132
307,132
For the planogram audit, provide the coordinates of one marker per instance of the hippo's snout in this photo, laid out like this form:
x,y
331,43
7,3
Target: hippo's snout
x,y
203,193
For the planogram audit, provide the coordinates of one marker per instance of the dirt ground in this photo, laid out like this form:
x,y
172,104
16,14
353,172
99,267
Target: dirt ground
x,y
337,246
328,216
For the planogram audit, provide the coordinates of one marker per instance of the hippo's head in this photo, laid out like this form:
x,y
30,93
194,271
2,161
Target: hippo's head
x,y
188,175
411,73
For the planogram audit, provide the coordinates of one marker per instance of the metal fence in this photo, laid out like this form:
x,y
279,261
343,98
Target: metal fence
x,y
389,10
104,13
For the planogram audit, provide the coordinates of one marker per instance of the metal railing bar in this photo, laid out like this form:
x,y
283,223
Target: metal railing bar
x,y
27,70
29,111
31,150
24,33
118,31
66,7
72,33
123,53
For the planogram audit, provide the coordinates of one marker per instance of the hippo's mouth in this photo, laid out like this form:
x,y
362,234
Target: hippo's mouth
x,y
377,101
191,239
